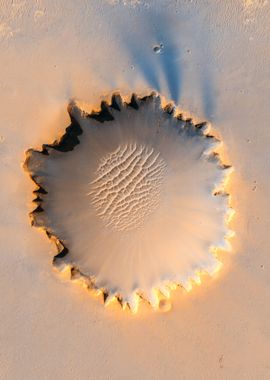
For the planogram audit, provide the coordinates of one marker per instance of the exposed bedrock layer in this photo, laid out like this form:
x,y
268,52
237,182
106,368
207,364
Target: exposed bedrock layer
x,y
133,197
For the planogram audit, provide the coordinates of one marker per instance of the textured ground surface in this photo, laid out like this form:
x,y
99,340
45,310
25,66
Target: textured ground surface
x,y
213,59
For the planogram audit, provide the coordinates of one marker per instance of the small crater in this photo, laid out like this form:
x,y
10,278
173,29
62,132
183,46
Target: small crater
x,y
165,305
158,48
254,188
220,361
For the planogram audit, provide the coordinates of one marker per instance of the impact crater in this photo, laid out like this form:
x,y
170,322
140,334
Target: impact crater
x,y
134,198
